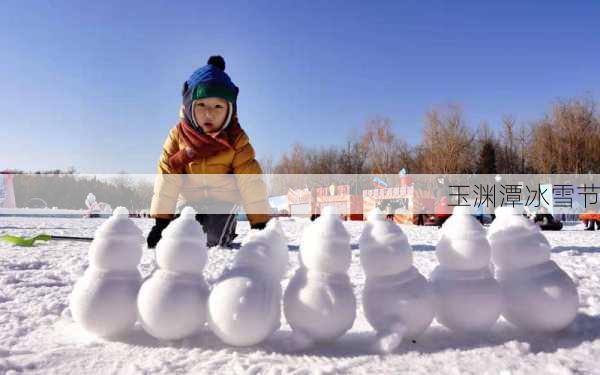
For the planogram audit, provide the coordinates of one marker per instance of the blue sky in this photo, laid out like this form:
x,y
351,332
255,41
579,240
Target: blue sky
x,y
96,85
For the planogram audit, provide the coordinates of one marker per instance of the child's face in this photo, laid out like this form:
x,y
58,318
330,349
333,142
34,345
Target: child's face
x,y
210,114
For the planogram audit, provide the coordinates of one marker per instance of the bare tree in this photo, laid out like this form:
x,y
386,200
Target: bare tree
x,y
385,152
447,142
567,140
543,147
523,140
266,163
507,153
323,161
485,133
352,158
575,123
294,163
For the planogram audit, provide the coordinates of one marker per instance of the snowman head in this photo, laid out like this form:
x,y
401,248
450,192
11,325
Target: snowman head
x,y
384,248
463,245
117,244
265,250
325,244
516,241
183,245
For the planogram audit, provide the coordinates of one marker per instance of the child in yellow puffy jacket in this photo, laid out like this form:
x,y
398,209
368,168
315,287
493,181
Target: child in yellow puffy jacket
x,y
208,160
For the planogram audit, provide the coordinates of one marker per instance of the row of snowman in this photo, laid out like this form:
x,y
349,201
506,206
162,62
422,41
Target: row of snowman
x,y
243,307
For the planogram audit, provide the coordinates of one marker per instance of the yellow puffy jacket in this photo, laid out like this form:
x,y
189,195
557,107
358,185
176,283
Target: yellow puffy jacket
x,y
232,175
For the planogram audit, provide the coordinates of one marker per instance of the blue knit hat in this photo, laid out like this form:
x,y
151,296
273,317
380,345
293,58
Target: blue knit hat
x,y
209,81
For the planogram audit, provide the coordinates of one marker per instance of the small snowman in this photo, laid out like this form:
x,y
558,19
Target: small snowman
x,y
172,301
539,295
468,298
244,307
319,302
397,299
103,301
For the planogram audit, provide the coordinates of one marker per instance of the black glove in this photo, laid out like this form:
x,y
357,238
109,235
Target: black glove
x,y
156,232
260,226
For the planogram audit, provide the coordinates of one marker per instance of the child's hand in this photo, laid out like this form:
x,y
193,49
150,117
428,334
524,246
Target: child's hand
x,y
156,232
259,226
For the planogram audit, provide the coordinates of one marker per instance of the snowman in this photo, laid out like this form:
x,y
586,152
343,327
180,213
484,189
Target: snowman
x,y
103,301
244,307
468,298
539,295
172,301
397,300
319,302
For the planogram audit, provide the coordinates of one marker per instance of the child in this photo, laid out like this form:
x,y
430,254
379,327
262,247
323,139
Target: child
x,y
209,140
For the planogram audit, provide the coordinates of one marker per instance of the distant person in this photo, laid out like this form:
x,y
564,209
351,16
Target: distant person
x,y
420,219
593,221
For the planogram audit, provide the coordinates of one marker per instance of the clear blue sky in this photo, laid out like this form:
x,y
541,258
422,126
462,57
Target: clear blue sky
x,y
96,85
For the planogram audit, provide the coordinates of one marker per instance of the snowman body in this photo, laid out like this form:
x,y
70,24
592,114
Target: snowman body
x,y
244,307
103,300
172,301
319,302
468,298
466,301
320,306
397,300
539,295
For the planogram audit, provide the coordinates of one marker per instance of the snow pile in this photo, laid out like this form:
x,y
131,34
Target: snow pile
x,y
103,300
319,302
538,294
397,299
172,301
468,298
244,307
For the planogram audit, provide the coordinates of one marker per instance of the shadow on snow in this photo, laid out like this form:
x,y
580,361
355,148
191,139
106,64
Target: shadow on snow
x,y
585,328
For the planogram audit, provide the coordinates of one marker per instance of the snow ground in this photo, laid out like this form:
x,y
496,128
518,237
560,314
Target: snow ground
x,y
37,334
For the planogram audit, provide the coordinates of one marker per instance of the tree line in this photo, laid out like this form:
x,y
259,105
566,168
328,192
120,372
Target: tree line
x,y
566,139
66,189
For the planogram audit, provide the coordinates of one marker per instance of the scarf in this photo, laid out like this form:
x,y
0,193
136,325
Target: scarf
x,y
201,145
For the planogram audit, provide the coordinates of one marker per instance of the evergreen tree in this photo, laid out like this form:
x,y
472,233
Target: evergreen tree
x,y
487,158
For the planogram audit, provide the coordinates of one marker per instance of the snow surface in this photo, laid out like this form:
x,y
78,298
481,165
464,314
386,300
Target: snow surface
x,y
38,335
